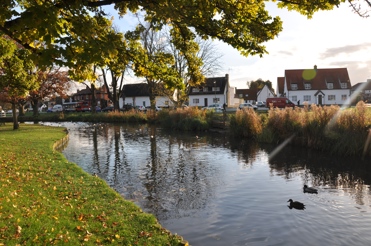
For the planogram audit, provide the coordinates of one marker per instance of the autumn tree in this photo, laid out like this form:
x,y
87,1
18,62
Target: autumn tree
x,y
207,53
259,84
68,33
17,75
159,69
52,82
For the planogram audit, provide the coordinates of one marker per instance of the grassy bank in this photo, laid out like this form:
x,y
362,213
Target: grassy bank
x,y
46,200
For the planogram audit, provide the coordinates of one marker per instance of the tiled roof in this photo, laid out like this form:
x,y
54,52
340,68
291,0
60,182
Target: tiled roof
x,y
247,94
220,82
136,90
141,90
280,85
318,78
363,86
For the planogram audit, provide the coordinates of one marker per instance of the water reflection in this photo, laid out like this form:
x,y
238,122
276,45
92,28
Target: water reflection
x,y
214,190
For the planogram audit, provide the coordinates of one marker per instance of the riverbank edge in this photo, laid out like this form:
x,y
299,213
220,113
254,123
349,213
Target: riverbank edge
x,y
57,146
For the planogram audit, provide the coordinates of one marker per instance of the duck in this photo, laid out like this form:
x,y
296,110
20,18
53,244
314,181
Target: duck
x,y
296,204
307,189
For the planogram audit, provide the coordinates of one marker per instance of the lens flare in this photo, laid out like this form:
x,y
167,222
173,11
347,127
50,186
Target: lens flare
x,y
309,74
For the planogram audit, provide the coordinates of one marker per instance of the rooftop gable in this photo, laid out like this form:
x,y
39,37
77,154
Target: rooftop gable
x,y
221,82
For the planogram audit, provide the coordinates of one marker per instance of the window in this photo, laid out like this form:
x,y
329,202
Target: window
x,y
215,100
307,98
196,101
195,90
240,95
331,97
307,86
205,88
87,97
294,98
216,88
344,85
330,86
294,86
344,97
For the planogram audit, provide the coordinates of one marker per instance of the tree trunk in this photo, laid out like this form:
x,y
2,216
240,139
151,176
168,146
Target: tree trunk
x,y
21,110
34,103
15,117
152,97
93,98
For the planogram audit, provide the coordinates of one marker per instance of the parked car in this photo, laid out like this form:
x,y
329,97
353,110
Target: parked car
x,y
216,106
57,108
127,107
2,113
108,109
98,109
140,108
156,107
279,102
260,104
247,105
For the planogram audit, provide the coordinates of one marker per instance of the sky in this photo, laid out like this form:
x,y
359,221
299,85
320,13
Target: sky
x,y
331,39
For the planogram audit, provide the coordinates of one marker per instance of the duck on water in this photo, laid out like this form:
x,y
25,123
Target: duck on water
x,y
296,205
307,189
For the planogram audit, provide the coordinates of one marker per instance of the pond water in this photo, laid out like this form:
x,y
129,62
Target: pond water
x,y
213,190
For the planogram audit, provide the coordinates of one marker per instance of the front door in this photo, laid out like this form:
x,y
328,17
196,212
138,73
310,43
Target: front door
x,y
205,102
320,99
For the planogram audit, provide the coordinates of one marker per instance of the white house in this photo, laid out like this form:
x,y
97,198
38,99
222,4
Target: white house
x,y
213,90
264,93
315,86
138,95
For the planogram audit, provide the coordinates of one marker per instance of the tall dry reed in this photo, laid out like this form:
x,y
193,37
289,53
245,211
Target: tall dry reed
x,y
246,123
187,119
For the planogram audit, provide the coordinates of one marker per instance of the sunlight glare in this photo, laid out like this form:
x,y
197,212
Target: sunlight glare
x,y
280,147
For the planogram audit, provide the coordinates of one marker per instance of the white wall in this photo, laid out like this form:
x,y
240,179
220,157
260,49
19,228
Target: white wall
x,y
264,94
314,99
210,100
144,101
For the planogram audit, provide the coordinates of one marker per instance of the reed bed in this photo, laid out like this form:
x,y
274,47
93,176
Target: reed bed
x,y
246,123
328,128
188,119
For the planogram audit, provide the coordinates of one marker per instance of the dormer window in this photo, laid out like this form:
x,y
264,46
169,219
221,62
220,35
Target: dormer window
x,y
330,85
195,90
307,86
205,89
294,87
344,85
216,88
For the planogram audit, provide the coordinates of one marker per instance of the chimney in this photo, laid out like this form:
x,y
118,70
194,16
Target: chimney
x,y
315,67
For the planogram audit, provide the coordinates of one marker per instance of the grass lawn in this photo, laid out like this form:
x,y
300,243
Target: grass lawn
x,y
47,200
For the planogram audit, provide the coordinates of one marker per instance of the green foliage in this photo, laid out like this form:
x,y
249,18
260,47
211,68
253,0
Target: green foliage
x,y
17,76
308,7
